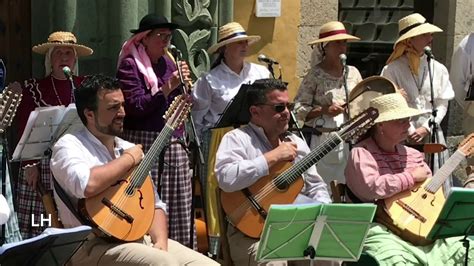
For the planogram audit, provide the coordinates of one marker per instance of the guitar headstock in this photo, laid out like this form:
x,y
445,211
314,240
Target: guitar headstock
x,y
358,125
178,110
10,98
467,145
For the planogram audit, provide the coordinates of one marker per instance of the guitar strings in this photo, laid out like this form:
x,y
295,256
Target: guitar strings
x,y
138,176
333,139
435,183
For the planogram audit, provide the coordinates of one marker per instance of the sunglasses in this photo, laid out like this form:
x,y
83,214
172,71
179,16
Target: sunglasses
x,y
164,36
280,107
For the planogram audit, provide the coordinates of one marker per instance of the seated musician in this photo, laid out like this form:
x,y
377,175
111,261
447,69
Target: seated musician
x,y
380,167
248,153
89,161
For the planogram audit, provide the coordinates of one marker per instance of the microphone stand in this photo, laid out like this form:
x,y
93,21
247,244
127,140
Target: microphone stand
x,y
345,72
185,90
432,122
270,68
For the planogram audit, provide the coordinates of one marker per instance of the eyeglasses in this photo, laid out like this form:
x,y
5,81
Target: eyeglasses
x,y
164,36
280,107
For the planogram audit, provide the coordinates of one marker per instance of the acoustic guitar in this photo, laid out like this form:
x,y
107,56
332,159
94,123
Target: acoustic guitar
x,y
246,209
411,214
125,210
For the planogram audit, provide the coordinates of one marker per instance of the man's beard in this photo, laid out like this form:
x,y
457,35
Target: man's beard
x,y
109,129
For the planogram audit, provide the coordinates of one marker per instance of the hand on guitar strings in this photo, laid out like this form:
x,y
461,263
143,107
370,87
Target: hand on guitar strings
x,y
286,151
135,152
419,174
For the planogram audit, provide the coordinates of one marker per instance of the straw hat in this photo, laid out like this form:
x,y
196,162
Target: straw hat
x,y
393,106
366,90
232,32
154,21
414,25
65,39
333,31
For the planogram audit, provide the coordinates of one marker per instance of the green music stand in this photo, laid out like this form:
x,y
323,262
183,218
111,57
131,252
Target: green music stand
x,y
456,217
315,231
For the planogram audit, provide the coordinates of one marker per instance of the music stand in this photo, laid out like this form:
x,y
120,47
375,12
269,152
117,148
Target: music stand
x,y
236,112
55,246
456,217
44,127
315,231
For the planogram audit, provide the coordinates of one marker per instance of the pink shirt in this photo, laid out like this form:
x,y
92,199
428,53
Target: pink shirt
x,y
373,174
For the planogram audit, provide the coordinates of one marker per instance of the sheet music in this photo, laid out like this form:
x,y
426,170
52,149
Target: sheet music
x,y
45,125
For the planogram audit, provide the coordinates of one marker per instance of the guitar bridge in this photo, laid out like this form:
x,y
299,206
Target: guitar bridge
x,y
411,211
117,211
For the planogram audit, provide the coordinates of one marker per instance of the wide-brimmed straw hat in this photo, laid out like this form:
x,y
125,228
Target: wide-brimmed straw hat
x,y
333,31
154,21
414,25
230,33
368,89
62,38
393,106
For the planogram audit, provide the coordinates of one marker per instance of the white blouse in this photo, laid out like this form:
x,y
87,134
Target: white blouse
x,y
214,90
418,87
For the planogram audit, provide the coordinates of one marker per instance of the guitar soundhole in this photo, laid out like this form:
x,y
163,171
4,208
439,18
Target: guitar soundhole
x,y
282,186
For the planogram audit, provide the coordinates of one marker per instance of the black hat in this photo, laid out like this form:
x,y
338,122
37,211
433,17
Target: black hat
x,y
154,21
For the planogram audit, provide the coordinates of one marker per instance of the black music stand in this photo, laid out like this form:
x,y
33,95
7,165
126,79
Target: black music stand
x,y
456,217
55,246
236,112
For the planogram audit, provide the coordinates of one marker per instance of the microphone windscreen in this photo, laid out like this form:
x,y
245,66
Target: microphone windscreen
x,y
342,57
67,71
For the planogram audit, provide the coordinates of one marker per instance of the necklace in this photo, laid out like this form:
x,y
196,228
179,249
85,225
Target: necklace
x,y
419,85
57,95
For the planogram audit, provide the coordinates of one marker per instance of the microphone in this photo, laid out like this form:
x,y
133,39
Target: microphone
x,y
175,51
67,72
262,58
428,52
343,58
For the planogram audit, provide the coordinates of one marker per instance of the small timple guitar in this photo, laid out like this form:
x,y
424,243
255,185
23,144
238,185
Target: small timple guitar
x,y
10,98
412,214
246,209
125,210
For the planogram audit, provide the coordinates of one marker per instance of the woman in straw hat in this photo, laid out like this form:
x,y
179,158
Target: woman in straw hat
x,y
380,167
216,88
407,67
150,82
61,50
213,91
321,95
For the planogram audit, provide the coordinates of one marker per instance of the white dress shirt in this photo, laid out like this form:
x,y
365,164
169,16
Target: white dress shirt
x,y
240,162
73,157
214,90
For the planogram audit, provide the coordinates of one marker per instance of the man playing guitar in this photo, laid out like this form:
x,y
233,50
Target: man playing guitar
x,y
93,160
249,153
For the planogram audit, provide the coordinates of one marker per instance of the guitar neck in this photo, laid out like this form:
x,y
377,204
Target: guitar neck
x,y
443,173
292,173
143,169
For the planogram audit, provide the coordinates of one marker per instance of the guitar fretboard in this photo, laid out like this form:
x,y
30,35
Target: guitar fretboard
x,y
292,173
442,174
